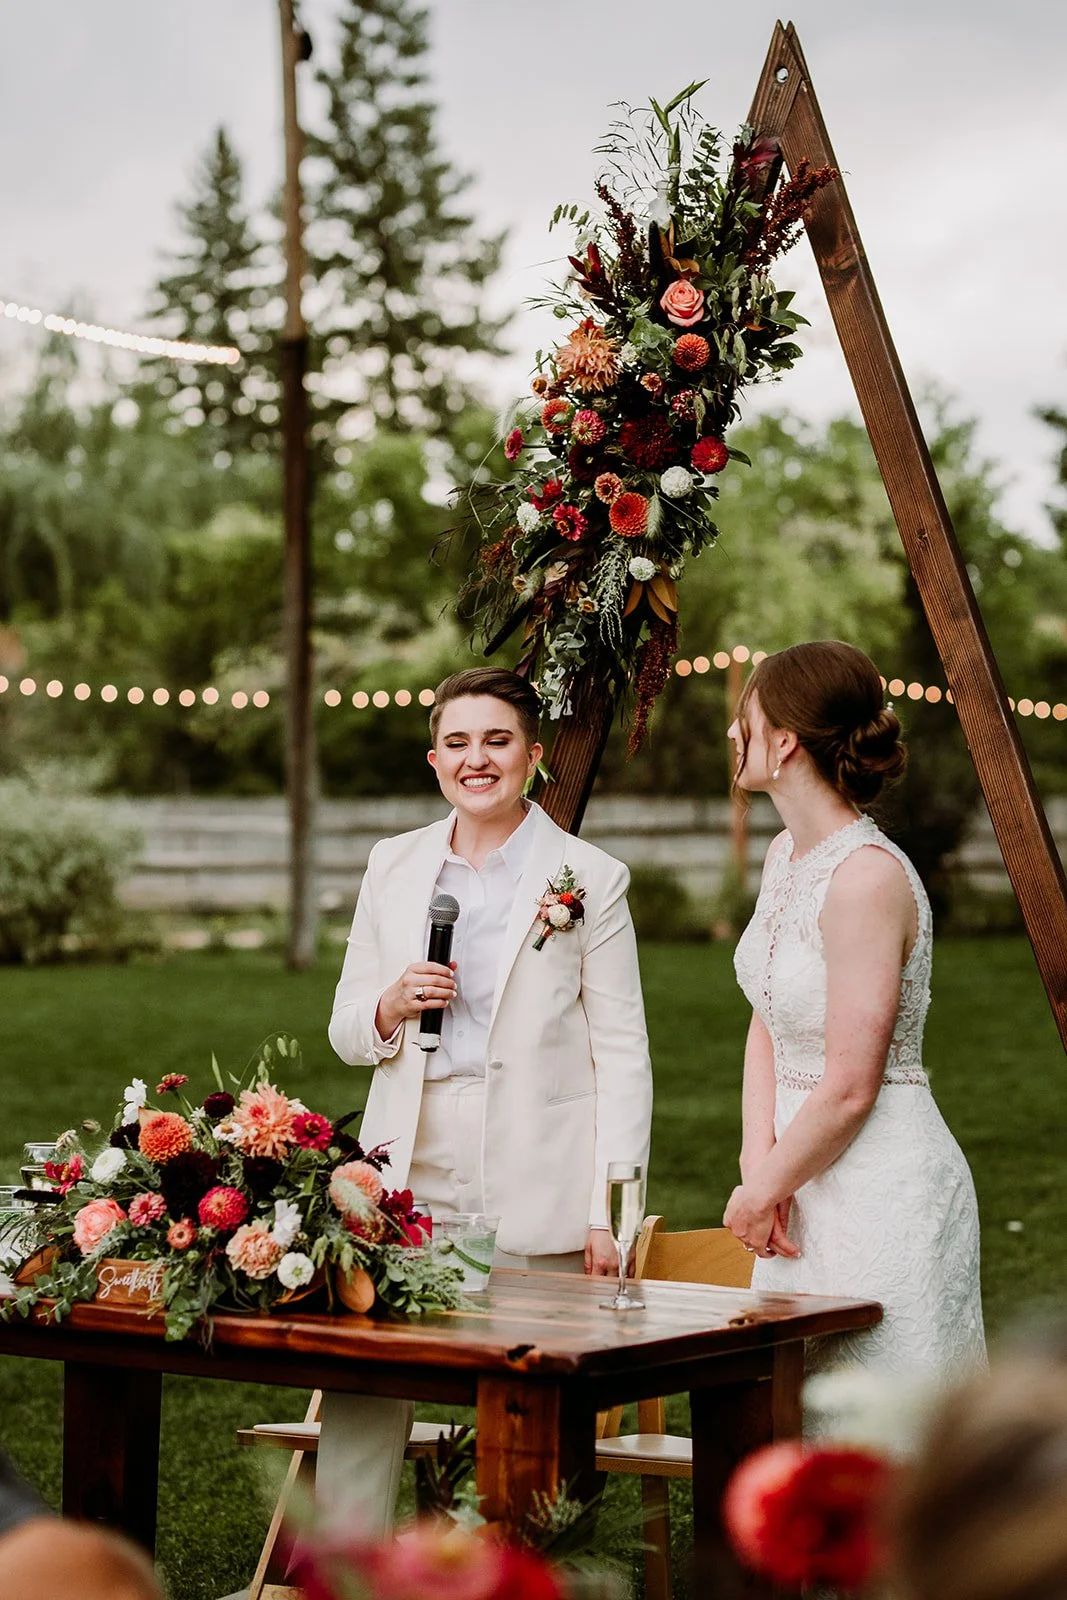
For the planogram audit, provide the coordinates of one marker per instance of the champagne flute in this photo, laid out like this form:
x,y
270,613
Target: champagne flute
x,y
626,1210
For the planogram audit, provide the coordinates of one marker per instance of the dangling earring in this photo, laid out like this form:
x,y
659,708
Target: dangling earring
x,y
776,771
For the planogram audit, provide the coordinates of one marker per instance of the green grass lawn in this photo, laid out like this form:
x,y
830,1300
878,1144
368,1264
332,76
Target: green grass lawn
x,y
72,1037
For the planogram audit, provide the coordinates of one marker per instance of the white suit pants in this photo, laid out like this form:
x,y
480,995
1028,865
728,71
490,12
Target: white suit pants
x,y
363,1437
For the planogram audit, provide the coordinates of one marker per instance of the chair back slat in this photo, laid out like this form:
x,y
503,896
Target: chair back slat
x,y
701,1255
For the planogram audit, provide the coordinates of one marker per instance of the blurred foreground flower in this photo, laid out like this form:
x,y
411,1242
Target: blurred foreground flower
x,y
804,1516
434,1560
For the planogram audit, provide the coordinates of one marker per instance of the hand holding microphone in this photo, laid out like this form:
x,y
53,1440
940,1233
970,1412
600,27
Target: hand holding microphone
x,y
424,989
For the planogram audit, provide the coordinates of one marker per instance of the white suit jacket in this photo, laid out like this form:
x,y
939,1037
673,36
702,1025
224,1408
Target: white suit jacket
x,y
568,1077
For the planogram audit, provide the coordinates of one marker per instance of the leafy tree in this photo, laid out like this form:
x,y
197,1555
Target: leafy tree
x,y
221,288
401,270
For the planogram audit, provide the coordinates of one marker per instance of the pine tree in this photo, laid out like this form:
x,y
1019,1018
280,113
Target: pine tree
x,y
219,291
400,269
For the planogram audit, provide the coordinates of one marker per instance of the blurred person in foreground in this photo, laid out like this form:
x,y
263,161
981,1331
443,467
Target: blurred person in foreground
x,y
982,1512
44,1558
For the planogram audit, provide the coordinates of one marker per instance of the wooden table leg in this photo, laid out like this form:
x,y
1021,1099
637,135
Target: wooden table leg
x,y
531,1437
729,1421
111,1447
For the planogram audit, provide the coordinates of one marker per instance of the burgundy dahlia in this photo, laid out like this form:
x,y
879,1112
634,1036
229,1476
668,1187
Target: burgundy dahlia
x,y
261,1174
586,462
185,1180
648,442
219,1105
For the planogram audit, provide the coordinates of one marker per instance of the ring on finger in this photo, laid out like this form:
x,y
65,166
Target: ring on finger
x,y
420,996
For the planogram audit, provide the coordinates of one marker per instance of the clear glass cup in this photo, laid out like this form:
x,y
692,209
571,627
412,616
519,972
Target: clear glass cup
x,y
34,1157
469,1239
626,1212
16,1225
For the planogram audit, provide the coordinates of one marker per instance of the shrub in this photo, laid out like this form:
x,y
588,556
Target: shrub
x,y
662,907
60,866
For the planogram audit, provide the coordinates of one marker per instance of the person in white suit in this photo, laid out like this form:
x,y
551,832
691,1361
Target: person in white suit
x,y
542,1076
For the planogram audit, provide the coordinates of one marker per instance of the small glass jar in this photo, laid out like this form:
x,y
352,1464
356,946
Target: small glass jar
x,y
35,1157
16,1225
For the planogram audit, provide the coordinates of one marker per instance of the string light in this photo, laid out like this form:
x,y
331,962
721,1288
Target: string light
x,y
145,344
240,699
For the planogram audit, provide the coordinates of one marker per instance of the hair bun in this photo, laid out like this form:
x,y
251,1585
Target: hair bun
x,y
871,756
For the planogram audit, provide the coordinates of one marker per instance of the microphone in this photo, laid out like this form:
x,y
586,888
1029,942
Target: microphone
x,y
444,909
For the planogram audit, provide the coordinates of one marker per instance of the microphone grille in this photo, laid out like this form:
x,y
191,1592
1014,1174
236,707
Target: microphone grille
x,y
444,909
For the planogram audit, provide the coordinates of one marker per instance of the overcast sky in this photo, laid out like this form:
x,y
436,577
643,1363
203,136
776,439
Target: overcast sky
x,y
947,119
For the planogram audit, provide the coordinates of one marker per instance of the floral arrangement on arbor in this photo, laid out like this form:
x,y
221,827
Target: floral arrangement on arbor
x,y
241,1201
672,312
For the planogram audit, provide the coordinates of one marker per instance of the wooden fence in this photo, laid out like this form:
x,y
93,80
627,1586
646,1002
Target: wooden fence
x,y
205,855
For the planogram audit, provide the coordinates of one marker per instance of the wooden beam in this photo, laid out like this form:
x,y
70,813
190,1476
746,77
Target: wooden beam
x,y
785,106
575,756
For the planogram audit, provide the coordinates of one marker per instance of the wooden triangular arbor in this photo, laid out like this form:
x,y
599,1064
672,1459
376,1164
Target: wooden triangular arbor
x,y
785,107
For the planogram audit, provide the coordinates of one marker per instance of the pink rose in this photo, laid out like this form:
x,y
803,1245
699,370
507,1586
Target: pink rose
x,y
94,1222
683,302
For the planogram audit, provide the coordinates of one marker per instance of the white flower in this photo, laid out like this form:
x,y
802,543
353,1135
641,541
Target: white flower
x,y
559,916
295,1269
135,1097
527,516
642,569
858,1407
676,483
628,354
107,1166
287,1222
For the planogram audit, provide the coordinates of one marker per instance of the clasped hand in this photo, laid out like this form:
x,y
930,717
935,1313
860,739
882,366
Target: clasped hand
x,y
761,1228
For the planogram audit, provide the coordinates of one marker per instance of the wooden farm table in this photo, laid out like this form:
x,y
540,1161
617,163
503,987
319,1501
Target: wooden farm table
x,y
538,1362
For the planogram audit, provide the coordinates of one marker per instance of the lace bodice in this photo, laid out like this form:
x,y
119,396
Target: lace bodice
x,y
781,966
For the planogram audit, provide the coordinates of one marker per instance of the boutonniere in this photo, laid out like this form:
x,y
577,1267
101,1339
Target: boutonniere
x,y
560,907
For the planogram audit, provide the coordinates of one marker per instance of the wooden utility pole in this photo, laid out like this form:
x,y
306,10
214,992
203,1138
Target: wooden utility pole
x,y
301,780
735,682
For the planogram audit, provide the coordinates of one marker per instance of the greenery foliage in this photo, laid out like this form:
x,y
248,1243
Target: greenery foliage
x,y
60,866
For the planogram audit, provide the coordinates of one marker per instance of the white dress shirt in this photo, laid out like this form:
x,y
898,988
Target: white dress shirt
x,y
485,897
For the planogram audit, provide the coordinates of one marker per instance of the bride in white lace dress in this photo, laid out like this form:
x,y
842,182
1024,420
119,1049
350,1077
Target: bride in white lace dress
x,y
851,1183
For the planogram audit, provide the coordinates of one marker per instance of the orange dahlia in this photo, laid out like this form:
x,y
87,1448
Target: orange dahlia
x,y
589,359
164,1135
629,515
556,416
691,352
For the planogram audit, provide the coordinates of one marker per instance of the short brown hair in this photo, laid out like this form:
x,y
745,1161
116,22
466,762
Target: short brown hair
x,y
830,695
495,683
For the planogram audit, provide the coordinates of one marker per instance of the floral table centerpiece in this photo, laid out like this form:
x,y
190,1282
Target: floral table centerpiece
x,y
671,311
241,1202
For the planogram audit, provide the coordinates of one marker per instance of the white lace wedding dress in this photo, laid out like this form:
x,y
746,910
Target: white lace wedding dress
x,y
894,1218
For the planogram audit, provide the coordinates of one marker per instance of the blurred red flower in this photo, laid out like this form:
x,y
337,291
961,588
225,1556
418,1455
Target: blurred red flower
x,y
803,1516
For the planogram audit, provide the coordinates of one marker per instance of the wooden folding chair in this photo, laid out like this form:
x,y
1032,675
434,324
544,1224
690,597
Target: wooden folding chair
x,y
705,1255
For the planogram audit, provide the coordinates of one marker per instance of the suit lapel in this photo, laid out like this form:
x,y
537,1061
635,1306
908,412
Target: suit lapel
x,y
422,874
547,851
